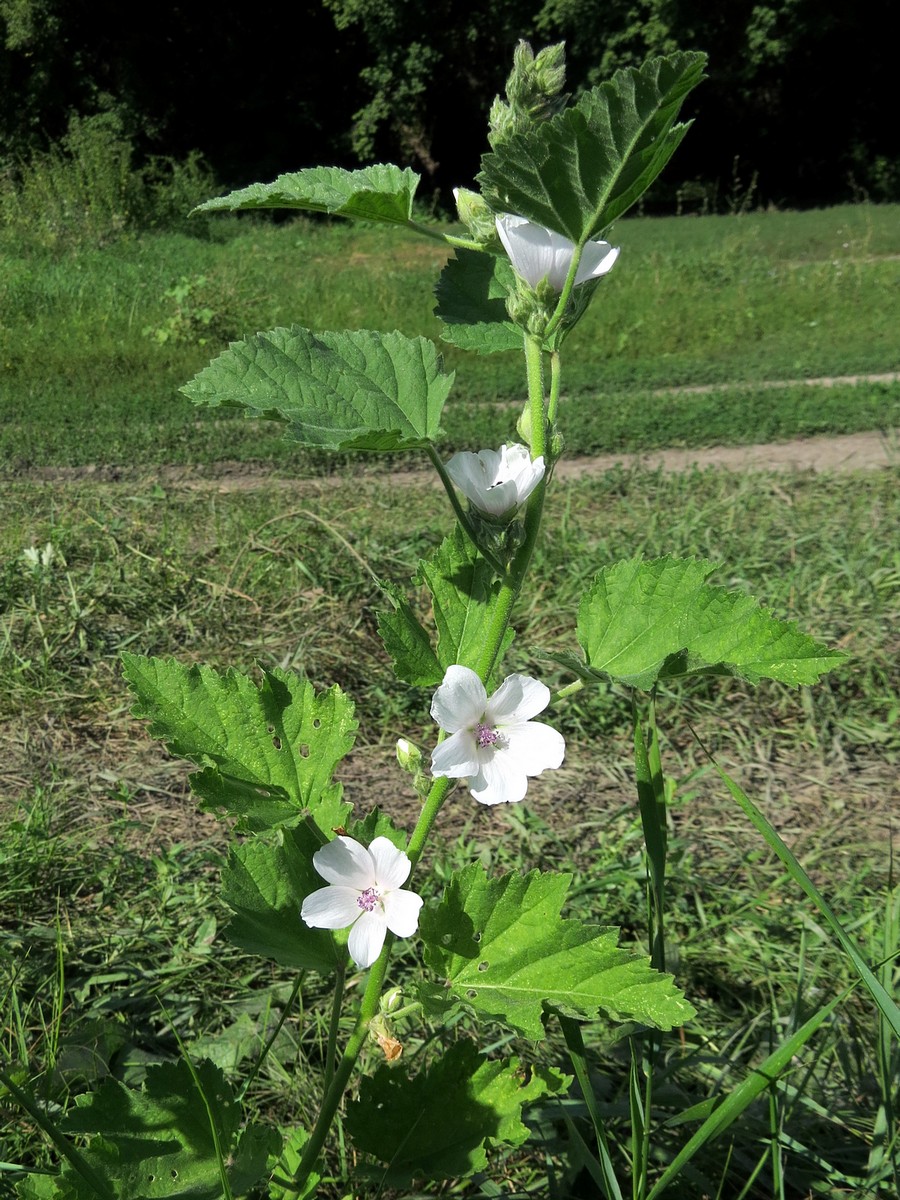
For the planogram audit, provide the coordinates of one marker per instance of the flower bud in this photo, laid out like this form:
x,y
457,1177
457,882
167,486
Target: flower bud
x,y
391,1000
476,216
409,756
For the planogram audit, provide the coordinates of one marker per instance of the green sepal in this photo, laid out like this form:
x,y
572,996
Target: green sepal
x,y
437,1124
268,753
582,169
501,947
471,301
265,882
353,390
378,193
642,621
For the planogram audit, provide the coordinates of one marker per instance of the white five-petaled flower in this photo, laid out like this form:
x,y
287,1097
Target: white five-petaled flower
x,y
538,253
363,894
493,743
496,481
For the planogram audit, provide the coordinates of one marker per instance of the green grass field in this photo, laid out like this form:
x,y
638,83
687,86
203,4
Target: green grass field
x,y
111,937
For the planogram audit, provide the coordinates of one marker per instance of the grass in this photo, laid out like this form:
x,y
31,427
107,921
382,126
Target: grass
x,y
95,342
109,879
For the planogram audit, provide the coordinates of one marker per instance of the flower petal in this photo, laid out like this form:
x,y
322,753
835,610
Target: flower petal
x,y
401,912
535,747
596,259
456,757
517,699
535,252
392,866
459,701
346,862
331,908
367,938
500,780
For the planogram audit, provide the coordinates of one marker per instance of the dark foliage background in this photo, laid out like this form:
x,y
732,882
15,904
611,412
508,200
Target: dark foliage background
x,y
799,98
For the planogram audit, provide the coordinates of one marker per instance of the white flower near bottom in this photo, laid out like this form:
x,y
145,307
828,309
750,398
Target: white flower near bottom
x,y
364,894
538,253
496,481
493,743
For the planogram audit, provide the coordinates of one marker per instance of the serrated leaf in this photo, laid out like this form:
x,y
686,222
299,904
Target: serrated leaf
x,y
378,193
501,947
582,169
409,646
158,1142
641,621
286,1167
265,884
377,824
268,752
471,301
437,1124
336,391
463,591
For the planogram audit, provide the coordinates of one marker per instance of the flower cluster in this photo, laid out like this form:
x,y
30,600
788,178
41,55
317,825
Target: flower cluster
x,y
493,742
363,894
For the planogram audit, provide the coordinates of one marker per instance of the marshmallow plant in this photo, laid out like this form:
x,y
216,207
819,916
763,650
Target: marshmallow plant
x,y
324,890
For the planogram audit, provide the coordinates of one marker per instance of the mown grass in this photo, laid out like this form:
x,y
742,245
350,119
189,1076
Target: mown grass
x,y
108,889
95,341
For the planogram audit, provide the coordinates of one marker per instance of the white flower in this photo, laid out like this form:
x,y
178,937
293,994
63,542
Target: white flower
x,y
537,253
496,481
494,744
363,894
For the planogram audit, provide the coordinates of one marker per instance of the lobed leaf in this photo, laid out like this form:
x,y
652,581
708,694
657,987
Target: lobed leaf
x,y
641,621
336,391
501,947
268,753
163,1140
582,169
436,1124
378,193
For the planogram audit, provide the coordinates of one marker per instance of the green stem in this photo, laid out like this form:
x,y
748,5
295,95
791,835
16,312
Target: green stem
x,y
555,381
564,295
534,365
569,690
449,239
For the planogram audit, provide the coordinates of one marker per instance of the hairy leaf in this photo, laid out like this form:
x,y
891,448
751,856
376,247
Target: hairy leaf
x,y
378,193
265,883
436,1124
501,946
336,391
268,753
409,646
582,169
462,590
646,620
471,301
160,1141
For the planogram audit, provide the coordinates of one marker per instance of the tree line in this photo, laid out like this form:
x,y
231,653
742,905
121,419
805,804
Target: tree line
x,y
798,108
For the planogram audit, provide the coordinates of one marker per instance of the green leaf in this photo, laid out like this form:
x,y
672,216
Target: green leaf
x,y
265,883
582,169
641,621
437,1124
336,391
378,193
463,591
500,946
268,752
287,1166
161,1141
409,646
471,301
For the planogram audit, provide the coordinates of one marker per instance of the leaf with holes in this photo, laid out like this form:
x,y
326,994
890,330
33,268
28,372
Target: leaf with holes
x,y
582,169
501,947
437,1123
335,391
162,1141
268,753
378,193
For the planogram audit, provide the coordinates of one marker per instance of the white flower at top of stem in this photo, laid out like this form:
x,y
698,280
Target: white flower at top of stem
x,y
493,743
538,253
363,894
496,481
